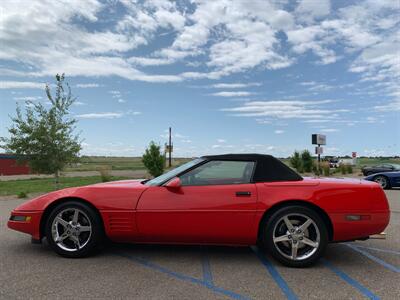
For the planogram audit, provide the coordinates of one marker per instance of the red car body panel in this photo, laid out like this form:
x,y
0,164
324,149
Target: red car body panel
x,y
134,212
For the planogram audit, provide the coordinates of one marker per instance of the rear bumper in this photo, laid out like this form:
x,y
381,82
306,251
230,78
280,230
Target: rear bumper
x,y
345,230
30,226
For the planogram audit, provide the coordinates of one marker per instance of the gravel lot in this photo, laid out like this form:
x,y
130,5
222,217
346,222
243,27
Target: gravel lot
x,y
359,270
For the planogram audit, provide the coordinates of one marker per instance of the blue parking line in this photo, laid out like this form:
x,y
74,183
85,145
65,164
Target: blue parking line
x,y
366,292
183,277
378,249
290,295
207,275
375,259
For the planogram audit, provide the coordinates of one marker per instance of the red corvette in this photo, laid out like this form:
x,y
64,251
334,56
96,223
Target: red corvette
x,y
233,199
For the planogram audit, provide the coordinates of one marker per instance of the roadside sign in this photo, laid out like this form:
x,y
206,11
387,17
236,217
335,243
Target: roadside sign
x,y
318,150
354,154
318,139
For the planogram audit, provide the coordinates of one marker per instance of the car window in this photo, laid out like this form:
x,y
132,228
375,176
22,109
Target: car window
x,y
219,172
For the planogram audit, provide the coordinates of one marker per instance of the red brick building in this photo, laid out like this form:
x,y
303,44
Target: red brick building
x,y
9,166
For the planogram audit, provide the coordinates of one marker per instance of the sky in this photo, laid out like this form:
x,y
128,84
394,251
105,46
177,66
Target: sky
x,y
227,76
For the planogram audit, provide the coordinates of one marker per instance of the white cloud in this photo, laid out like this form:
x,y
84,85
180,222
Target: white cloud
x,y
329,130
224,37
278,131
232,94
105,115
221,141
286,109
235,85
28,98
308,10
21,85
87,85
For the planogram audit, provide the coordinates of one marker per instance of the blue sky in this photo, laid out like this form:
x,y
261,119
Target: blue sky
x,y
228,76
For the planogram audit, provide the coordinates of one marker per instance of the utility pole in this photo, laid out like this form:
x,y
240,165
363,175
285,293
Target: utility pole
x,y
170,149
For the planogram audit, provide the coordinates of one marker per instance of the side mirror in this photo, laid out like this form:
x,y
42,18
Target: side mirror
x,y
174,183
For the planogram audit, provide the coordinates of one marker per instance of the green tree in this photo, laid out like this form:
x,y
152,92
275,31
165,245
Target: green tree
x,y
154,160
307,161
45,136
295,161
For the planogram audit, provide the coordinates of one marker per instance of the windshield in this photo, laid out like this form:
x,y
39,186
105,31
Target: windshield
x,y
171,174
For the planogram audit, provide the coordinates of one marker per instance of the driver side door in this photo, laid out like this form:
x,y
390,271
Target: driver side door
x,y
216,204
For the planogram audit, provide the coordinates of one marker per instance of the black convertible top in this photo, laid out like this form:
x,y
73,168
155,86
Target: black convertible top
x,y
268,168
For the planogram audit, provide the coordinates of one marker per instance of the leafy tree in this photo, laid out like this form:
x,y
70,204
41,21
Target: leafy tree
x,y
307,161
153,160
295,161
45,136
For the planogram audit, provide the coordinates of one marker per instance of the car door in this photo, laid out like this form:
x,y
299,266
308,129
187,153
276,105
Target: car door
x,y
215,204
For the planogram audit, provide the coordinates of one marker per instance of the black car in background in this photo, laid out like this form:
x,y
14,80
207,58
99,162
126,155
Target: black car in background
x,y
379,169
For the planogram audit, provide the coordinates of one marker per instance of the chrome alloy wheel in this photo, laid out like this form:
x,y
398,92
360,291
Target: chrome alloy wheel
x,y
382,181
296,236
71,229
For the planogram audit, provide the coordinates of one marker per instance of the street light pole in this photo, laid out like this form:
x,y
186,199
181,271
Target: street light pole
x,y
170,149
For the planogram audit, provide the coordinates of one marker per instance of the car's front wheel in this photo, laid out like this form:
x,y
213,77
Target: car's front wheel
x,y
383,181
295,235
74,229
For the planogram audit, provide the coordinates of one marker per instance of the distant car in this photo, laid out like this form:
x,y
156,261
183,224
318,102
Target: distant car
x,y
232,199
387,180
334,163
380,168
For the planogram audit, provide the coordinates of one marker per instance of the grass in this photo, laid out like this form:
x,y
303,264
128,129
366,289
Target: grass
x,y
96,163
20,187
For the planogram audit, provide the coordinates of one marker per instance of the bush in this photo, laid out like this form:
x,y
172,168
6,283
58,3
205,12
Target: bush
x,y
22,195
349,169
326,168
343,169
295,161
153,160
105,174
307,161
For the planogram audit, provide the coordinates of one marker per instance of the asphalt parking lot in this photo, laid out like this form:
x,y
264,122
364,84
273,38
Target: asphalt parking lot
x,y
358,270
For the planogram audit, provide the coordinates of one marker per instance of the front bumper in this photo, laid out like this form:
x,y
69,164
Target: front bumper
x,y
30,224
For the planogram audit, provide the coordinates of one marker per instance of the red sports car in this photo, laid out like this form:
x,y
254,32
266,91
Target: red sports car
x,y
233,199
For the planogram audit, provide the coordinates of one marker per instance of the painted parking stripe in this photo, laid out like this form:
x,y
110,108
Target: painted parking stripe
x,y
183,277
378,249
366,292
375,259
207,275
275,275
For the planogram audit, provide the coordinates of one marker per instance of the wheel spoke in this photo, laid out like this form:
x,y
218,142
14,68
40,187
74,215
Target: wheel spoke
x,y
75,217
62,222
75,239
309,242
294,250
305,225
281,238
61,237
84,228
289,225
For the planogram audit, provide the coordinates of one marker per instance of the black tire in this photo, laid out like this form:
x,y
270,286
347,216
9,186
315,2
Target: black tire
x,y
383,181
278,250
88,216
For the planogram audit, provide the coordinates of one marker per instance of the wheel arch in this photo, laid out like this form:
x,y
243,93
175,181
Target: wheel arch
x,y
323,214
52,205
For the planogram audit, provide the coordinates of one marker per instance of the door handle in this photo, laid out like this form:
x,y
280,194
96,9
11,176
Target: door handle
x,y
243,194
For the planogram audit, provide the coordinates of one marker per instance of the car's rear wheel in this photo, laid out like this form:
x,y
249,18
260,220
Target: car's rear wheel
x,y
295,235
74,229
383,181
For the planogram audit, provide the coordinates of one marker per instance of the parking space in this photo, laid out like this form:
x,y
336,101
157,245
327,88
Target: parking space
x,y
358,270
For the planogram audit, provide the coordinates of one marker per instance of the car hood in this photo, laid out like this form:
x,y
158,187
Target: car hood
x,y
122,195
